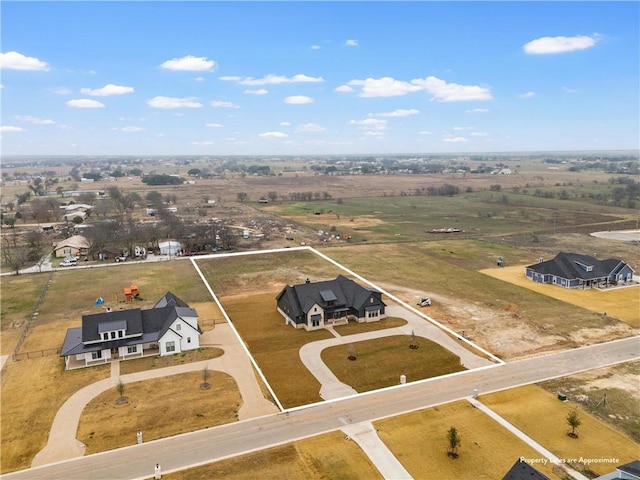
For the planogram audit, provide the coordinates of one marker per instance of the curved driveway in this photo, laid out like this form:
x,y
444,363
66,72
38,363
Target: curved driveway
x,y
332,388
62,443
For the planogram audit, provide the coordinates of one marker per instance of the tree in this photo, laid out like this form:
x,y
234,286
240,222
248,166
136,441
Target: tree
x,y
242,197
453,441
205,379
573,420
194,172
13,254
120,389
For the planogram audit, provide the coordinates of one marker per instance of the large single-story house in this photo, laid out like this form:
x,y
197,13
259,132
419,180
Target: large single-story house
x,y
628,471
314,305
571,270
169,327
521,470
75,246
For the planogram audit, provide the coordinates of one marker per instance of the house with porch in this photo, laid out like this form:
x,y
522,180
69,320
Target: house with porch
x,y
76,245
573,270
169,327
314,305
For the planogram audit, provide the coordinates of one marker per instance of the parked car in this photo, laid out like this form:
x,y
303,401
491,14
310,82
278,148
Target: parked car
x,y
424,302
67,262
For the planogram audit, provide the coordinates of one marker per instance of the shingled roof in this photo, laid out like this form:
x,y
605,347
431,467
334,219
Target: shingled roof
x,y
575,265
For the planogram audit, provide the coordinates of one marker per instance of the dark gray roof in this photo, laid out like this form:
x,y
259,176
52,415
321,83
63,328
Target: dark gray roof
x,y
632,468
146,325
523,471
170,299
342,291
574,265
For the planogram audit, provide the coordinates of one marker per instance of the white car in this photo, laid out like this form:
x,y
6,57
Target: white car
x,y
67,262
424,302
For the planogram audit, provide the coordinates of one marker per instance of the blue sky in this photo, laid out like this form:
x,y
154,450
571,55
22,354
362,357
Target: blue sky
x,y
295,78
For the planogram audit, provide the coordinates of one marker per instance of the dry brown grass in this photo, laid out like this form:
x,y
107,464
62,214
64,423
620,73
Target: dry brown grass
x,y
155,362
353,328
381,361
418,440
105,425
620,303
31,395
542,416
327,456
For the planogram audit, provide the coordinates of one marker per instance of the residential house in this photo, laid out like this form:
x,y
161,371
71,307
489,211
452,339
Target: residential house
x,y
169,327
571,270
73,246
628,471
521,470
314,305
170,247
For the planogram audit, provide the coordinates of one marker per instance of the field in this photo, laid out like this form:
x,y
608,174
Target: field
x,y
542,416
620,303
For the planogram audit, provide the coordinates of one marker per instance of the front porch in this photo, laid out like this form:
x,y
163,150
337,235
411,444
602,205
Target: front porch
x,y
72,362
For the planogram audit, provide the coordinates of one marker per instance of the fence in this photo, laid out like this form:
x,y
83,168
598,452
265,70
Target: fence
x,y
34,354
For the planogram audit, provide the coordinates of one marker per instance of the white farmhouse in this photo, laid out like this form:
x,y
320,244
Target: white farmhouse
x,y
169,327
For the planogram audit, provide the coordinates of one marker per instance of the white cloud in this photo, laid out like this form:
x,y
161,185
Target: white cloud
x,y
213,125
425,132
310,127
273,135
85,103
259,91
343,89
171,102
298,100
477,110
223,104
462,128
272,79
439,89
202,143
285,124
128,129
107,90
455,140
373,124
398,113
34,120
199,79
479,134
351,43
552,45
375,133
190,63
61,91
1,86
11,128
569,90
527,95
315,47
452,92
18,61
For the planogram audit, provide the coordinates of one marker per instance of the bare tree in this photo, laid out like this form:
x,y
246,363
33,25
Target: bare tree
x,y
453,442
205,378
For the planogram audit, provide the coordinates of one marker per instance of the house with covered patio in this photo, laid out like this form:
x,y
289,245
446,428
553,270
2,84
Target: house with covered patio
x,y
169,327
314,305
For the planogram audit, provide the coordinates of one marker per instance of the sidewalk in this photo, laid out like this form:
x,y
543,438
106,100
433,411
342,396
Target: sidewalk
x,y
62,444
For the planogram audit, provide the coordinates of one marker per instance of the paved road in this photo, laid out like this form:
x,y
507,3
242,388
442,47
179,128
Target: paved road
x,y
204,446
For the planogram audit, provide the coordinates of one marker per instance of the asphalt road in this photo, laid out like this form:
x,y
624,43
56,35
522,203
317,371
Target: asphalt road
x,y
204,446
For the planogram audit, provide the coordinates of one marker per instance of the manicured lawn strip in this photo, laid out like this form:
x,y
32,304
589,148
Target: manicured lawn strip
x,y
381,361
620,303
276,347
327,456
542,416
105,425
155,362
19,296
418,440
32,393
352,327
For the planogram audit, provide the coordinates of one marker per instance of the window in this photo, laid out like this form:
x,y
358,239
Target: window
x,y
188,339
178,327
96,355
371,300
120,334
132,349
113,335
170,346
